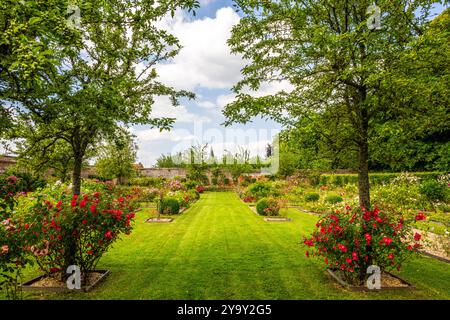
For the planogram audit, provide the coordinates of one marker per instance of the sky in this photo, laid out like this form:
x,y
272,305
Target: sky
x,y
206,67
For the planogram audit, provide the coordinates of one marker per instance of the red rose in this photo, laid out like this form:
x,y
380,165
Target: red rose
x,y
307,253
342,247
410,248
12,179
84,222
368,238
420,216
90,252
73,203
121,200
109,234
391,256
83,203
387,241
93,208
59,204
355,256
417,236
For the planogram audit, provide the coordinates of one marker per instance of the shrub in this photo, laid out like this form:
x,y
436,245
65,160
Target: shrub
x,y
175,185
12,253
249,199
169,206
268,207
312,197
353,240
76,230
333,199
194,194
147,182
260,189
432,190
190,185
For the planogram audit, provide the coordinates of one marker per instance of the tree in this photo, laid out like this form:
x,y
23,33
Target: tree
x,y
33,36
336,63
117,158
107,79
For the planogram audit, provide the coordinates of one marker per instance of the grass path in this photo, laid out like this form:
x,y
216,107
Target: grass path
x,y
220,249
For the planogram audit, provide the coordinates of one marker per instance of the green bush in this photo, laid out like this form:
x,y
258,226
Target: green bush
x,y
169,206
333,199
312,197
261,190
194,194
268,207
433,190
26,181
190,184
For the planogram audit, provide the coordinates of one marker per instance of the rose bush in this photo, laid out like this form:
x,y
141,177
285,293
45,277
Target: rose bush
x,y
75,230
351,240
12,253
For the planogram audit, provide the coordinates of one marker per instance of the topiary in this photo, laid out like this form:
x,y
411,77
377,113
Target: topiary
x,y
268,207
333,199
312,197
169,206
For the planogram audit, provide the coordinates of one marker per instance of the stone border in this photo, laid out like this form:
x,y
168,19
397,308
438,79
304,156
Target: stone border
x,y
425,253
160,220
350,287
27,286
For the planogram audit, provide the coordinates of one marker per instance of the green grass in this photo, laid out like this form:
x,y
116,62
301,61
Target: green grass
x,y
219,249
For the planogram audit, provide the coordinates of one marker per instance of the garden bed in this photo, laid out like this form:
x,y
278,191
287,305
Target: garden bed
x,y
388,282
272,218
434,246
50,284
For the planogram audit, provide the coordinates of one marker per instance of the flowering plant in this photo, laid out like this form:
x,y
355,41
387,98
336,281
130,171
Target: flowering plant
x,y
175,185
200,189
268,207
76,230
352,240
12,253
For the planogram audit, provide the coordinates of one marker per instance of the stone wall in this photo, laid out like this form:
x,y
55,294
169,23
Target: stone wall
x,y
6,162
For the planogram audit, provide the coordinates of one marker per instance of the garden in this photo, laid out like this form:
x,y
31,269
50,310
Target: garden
x,y
105,194
172,239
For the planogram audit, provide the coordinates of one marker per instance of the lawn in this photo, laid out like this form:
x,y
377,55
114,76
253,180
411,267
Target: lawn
x,y
220,249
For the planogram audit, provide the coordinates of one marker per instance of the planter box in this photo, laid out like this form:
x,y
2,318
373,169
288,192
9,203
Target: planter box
x,y
404,285
30,286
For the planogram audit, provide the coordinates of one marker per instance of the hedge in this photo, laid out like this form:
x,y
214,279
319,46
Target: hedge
x,y
340,180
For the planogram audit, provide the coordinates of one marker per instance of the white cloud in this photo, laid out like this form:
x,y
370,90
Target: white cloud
x,y
152,135
205,59
163,108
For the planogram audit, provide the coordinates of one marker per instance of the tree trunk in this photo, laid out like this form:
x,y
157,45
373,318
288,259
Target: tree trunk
x,y
363,170
76,189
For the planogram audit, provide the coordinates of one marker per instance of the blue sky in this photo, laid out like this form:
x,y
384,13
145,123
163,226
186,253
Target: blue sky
x,y
206,67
